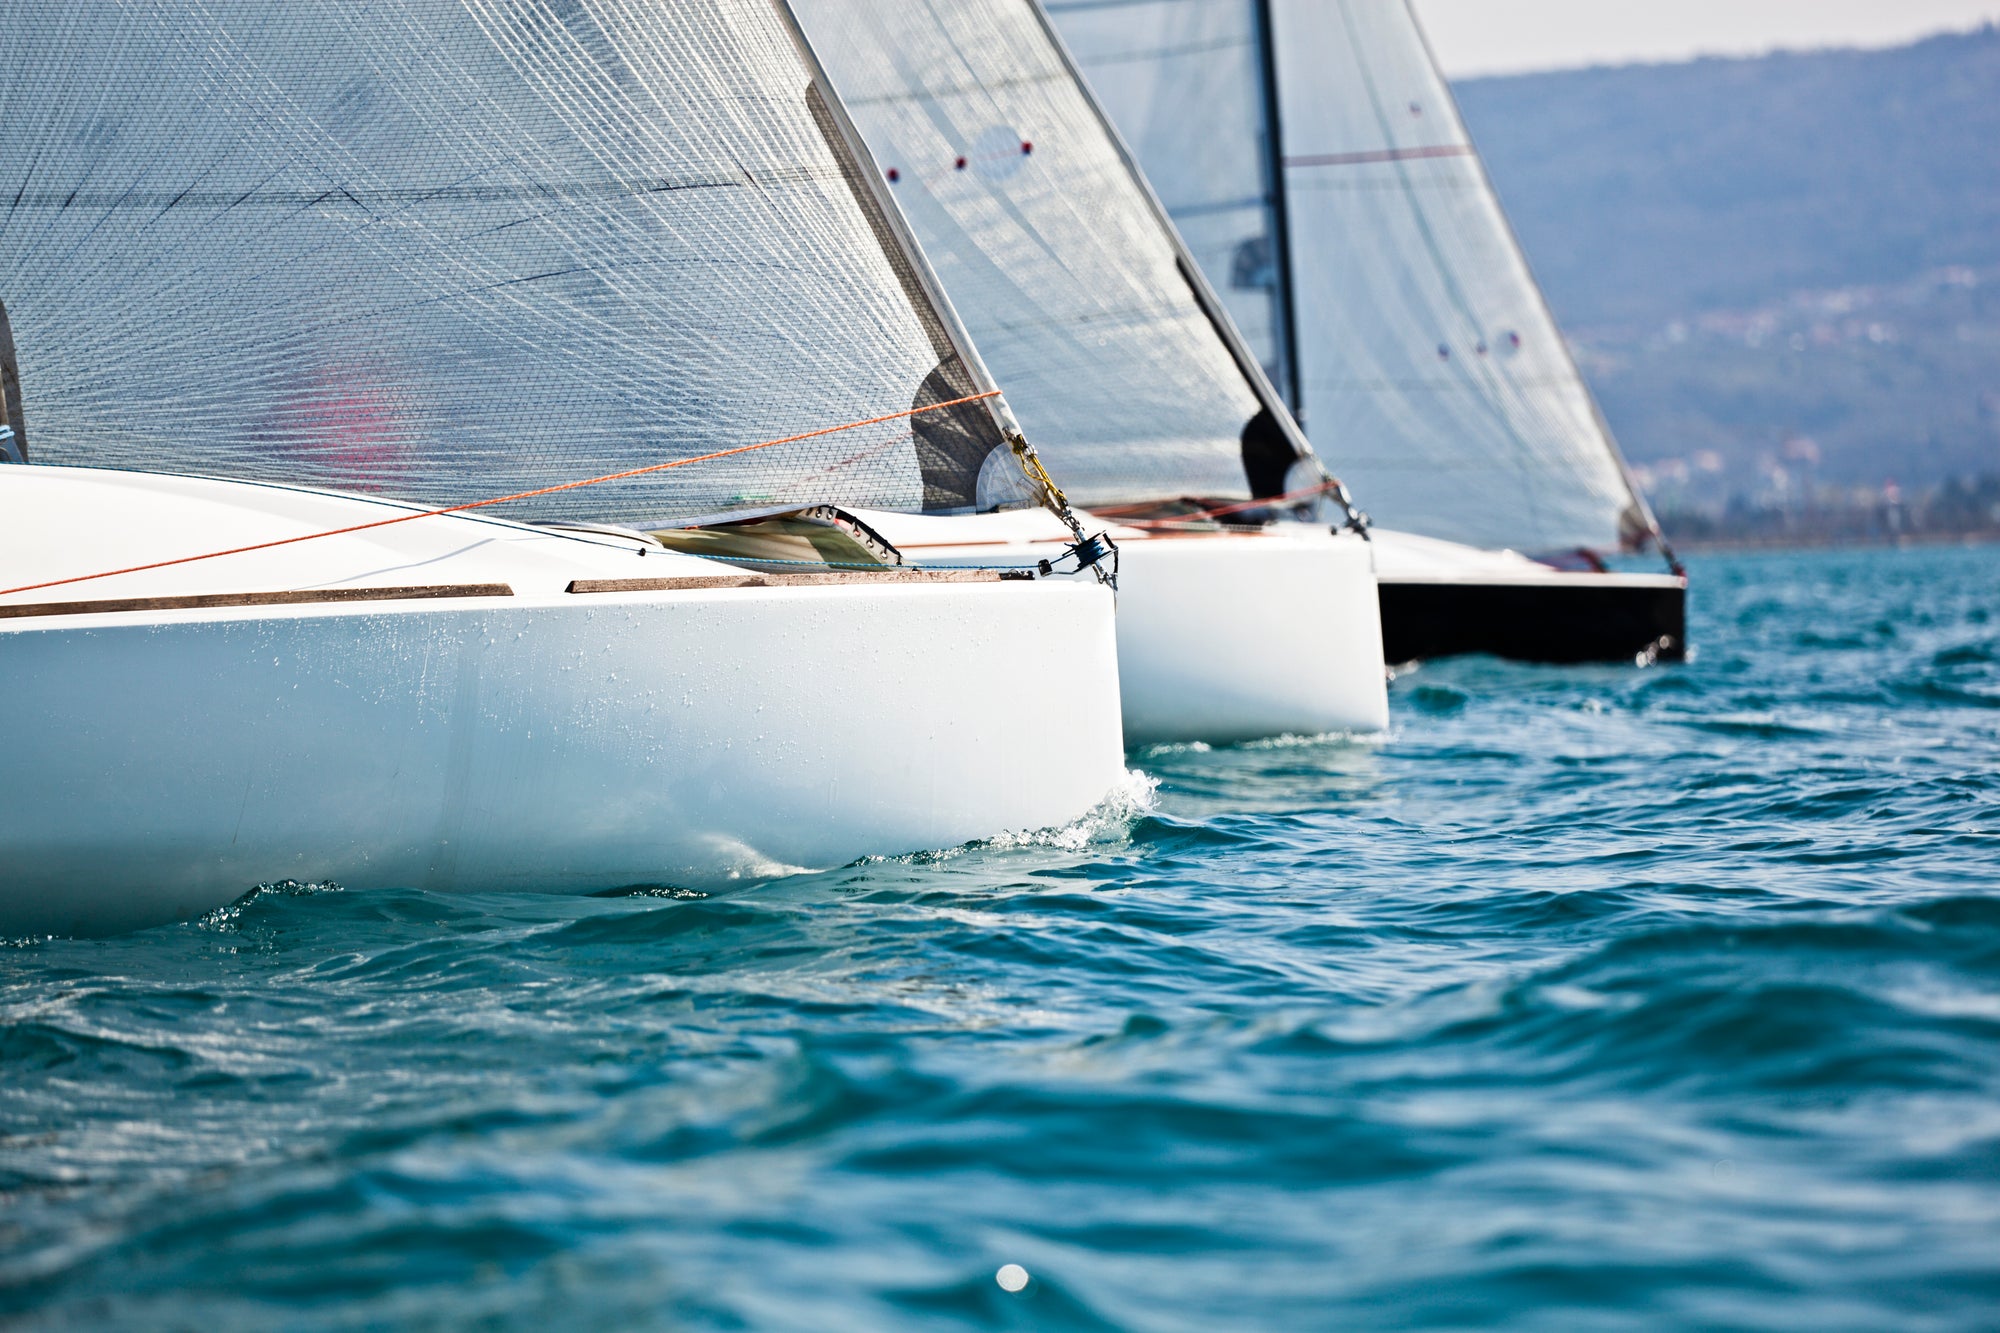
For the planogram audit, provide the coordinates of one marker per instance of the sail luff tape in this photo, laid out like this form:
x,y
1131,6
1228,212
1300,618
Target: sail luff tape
x,y
503,499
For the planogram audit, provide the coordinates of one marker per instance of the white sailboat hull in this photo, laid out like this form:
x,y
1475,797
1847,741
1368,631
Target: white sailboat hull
x,y
160,762
1236,638
1222,637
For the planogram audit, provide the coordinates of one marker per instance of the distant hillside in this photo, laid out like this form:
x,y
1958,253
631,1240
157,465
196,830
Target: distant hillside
x,y
1782,274
1645,192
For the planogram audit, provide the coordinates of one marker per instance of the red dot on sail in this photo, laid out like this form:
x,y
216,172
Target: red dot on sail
x,y
894,175
1027,147
960,165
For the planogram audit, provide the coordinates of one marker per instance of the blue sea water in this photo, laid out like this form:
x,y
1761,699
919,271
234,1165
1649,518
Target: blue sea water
x,y
1601,998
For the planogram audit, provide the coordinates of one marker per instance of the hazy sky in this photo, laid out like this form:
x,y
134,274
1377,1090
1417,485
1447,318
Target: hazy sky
x,y
1493,36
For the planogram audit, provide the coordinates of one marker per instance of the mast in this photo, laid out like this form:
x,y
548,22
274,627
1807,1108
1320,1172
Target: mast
x,y
1281,227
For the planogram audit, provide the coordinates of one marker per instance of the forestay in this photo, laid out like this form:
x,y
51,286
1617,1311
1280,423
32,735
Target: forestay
x,y
1039,227
1183,81
1430,371
448,249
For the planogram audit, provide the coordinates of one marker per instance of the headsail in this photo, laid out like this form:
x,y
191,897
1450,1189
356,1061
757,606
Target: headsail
x,y
1038,224
446,249
1430,371
1184,81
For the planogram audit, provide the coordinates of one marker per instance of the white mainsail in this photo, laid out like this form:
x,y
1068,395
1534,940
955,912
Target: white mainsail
x,y
1039,226
447,249
1429,370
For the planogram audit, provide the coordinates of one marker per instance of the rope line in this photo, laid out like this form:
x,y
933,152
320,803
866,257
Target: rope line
x,y
504,499
1216,511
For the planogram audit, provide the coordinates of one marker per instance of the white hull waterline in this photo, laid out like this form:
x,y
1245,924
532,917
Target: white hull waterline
x,y
489,709
1223,635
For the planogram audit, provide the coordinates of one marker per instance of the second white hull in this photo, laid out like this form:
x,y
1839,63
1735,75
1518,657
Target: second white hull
x,y
1222,637
1241,637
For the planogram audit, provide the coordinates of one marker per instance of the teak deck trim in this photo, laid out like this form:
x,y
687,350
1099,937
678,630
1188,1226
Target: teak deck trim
x,y
888,574
297,597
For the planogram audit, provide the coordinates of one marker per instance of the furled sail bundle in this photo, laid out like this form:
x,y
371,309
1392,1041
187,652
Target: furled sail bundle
x,y
1114,350
1427,365
439,250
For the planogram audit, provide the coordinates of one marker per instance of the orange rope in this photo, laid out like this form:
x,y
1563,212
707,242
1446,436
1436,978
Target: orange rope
x,y
504,499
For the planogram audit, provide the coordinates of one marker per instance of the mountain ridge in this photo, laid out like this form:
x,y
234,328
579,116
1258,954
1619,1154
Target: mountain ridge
x,y
1640,191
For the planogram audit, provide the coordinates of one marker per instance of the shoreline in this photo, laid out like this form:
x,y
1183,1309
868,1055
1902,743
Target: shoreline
x,y
1732,545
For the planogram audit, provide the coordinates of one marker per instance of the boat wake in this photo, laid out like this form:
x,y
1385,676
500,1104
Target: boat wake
x,y
1134,797
230,917
1293,742
1286,741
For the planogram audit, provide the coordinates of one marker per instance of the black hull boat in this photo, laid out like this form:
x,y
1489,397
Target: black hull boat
x,y
1572,619
1440,599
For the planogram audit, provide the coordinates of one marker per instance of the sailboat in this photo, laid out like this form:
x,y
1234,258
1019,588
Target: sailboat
x,y
1247,600
434,428
1312,155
